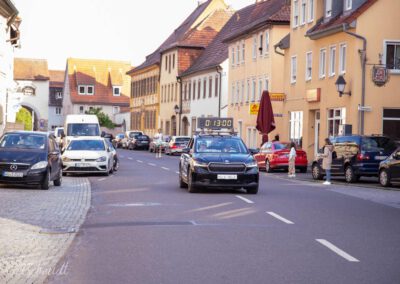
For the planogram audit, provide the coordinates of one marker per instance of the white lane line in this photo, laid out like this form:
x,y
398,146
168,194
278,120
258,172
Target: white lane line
x,y
337,250
130,158
139,161
245,199
280,218
101,179
151,164
177,173
164,168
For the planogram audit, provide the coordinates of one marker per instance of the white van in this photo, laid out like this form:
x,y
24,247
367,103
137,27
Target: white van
x,y
77,125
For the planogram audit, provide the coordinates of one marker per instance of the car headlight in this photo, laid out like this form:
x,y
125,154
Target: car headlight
x,y
102,159
200,164
66,159
251,164
40,165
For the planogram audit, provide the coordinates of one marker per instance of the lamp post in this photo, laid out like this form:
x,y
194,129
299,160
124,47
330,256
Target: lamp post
x,y
341,85
177,111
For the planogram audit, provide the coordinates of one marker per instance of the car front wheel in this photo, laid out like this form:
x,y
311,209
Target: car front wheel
x,y
316,172
349,174
191,187
268,166
58,181
252,190
46,181
182,184
384,178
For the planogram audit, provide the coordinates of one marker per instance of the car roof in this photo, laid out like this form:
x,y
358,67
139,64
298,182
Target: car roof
x,y
88,138
29,132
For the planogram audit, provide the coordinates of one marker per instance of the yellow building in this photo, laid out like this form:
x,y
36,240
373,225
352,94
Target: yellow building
x,y
254,66
331,40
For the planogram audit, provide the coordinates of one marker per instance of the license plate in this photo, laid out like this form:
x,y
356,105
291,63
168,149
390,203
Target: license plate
x,y
13,174
380,158
227,177
82,165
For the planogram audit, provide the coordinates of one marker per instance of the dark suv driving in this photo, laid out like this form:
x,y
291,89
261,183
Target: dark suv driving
x,y
356,156
218,161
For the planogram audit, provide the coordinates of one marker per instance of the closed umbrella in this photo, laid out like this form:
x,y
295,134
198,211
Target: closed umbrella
x,y
265,117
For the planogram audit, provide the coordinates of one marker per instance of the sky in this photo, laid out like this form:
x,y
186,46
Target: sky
x,y
102,29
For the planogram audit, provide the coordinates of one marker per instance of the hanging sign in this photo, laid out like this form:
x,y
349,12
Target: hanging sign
x,y
253,108
380,75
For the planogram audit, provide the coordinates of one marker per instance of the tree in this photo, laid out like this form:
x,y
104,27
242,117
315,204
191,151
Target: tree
x,y
24,116
104,119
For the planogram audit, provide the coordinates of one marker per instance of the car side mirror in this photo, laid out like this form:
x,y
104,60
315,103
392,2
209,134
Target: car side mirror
x,y
397,155
103,133
254,151
186,150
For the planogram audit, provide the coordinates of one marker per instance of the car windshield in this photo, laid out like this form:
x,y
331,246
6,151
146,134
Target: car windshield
x,y
83,129
86,145
377,144
60,132
120,136
142,137
134,134
281,146
220,145
23,140
182,140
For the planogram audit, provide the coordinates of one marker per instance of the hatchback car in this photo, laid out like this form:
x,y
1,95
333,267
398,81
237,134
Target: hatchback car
x,y
275,155
389,169
139,142
117,142
30,158
356,156
129,135
176,144
88,155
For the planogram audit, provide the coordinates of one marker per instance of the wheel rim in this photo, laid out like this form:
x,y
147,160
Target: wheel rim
x,y
348,174
267,166
383,178
315,172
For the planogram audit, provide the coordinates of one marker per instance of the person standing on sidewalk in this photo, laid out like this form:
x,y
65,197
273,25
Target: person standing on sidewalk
x,y
292,160
158,141
327,160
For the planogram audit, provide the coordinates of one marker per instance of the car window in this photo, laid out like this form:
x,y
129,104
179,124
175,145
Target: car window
x,y
220,145
83,129
377,144
182,140
86,145
142,137
281,146
23,140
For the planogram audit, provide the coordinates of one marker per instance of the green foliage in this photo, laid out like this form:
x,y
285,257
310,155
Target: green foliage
x,y
24,116
104,119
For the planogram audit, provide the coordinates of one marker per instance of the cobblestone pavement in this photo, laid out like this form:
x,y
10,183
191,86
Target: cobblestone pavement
x,y
37,227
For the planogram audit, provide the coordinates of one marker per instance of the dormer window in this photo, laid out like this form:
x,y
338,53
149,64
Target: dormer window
x,y
82,90
86,90
58,95
348,4
90,90
328,8
116,91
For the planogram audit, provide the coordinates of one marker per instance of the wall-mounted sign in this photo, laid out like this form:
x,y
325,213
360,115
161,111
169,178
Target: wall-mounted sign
x,y
278,115
380,75
364,108
313,95
253,108
277,97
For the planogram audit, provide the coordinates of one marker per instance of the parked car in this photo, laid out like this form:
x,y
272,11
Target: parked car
x,y
356,156
139,142
30,158
129,135
153,143
176,144
275,155
389,169
114,154
117,142
88,155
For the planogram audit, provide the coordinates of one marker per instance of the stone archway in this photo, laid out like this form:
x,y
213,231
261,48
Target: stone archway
x,y
26,115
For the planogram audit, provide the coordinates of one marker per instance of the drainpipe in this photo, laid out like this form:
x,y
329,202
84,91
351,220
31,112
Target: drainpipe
x,y
276,50
219,69
179,79
363,54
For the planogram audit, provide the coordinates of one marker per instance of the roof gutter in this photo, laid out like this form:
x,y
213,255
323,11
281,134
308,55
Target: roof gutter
x,y
325,32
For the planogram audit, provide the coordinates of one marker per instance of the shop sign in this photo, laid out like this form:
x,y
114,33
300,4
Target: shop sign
x,y
277,97
380,75
313,95
253,108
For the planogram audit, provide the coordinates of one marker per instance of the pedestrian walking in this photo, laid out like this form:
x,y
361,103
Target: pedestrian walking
x,y
327,160
292,160
158,142
276,138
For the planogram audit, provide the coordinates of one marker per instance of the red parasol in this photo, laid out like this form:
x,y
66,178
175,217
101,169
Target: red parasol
x,y
265,117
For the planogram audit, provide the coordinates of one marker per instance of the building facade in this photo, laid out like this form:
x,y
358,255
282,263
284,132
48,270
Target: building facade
x,y
255,67
332,39
55,98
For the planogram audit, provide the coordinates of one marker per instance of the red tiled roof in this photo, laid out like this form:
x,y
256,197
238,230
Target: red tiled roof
x,y
258,15
103,75
56,78
31,69
336,24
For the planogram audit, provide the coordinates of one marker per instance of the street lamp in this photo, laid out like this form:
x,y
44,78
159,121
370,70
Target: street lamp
x,y
341,85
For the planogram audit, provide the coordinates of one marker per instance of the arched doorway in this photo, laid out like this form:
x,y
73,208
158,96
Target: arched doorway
x,y
173,125
185,126
28,117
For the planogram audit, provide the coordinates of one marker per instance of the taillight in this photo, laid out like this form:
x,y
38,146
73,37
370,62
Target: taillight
x,y
173,146
362,157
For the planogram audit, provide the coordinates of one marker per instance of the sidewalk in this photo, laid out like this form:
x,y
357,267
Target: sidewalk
x,y
37,227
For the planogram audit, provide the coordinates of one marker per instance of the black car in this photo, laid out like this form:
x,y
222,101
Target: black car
x,y
30,158
389,169
139,142
356,156
218,161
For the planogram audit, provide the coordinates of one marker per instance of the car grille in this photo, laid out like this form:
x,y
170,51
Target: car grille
x,y
83,160
6,167
83,169
226,168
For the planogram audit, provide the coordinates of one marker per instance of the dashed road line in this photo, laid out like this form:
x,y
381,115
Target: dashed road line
x,y
139,161
337,250
245,199
280,218
177,173
130,158
101,179
151,164
164,168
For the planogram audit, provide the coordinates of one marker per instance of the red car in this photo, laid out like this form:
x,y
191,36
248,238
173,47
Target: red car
x,y
275,155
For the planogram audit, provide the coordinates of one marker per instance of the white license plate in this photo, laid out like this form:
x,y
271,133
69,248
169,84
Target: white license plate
x,y
380,158
82,165
226,176
13,174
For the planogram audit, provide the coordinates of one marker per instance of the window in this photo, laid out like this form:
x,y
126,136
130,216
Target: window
x,y
251,139
308,66
296,127
233,94
184,91
342,58
242,93
322,63
328,8
295,13
81,90
190,91
90,90
199,88
58,111
261,43
254,89
391,122
204,88
115,109
173,61
169,63
58,95
233,56
194,90
310,10
216,85
393,55
238,54
293,70
260,89
254,47
237,92
266,42
348,4
85,90
81,109
248,91
332,60
243,51
336,117
166,63
266,87
210,87
303,12
116,91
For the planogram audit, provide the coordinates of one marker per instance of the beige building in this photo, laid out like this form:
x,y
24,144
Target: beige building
x,y
254,66
332,39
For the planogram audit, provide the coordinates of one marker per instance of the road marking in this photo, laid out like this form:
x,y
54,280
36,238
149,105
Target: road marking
x,y
177,173
211,207
151,164
337,250
280,218
164,168
139,161
130,158
244,199
101,179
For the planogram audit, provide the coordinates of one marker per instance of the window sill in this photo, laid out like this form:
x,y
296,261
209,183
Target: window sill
x,y
394,71
322,77
308,80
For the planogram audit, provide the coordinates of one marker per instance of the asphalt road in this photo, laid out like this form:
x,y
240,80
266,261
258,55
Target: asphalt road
x,y
142,228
